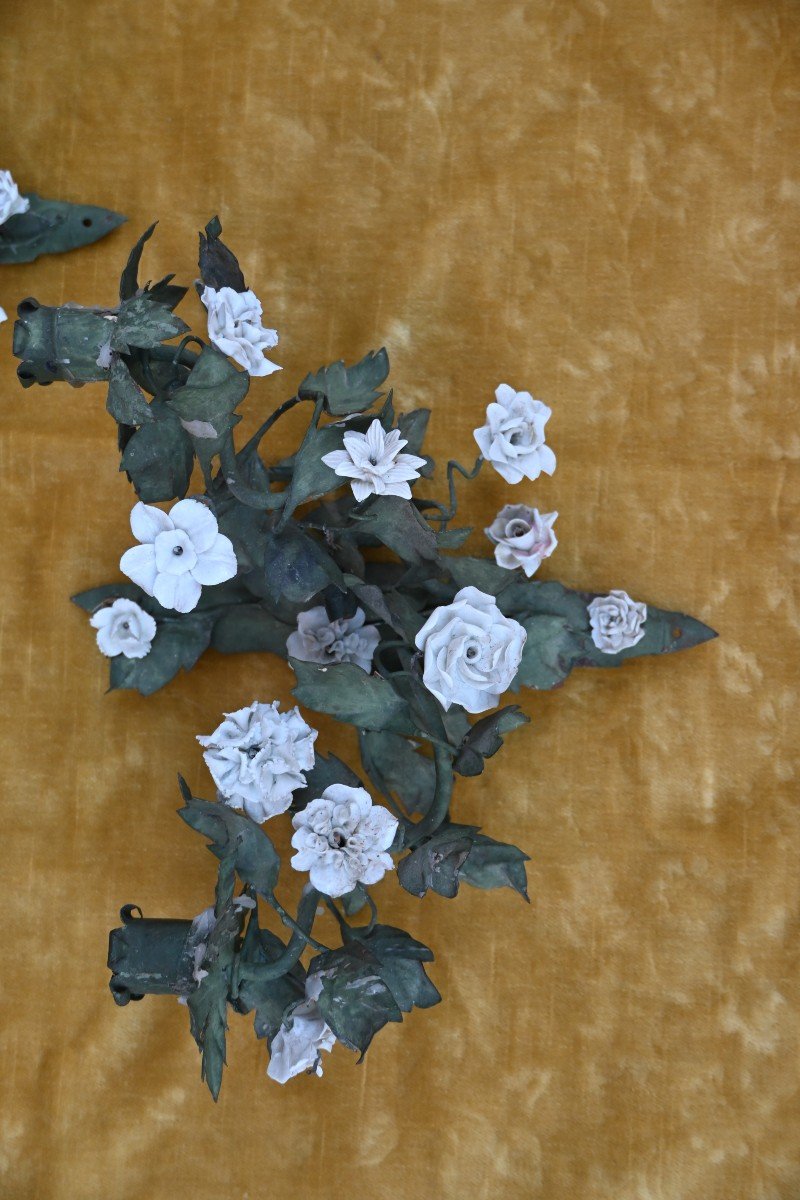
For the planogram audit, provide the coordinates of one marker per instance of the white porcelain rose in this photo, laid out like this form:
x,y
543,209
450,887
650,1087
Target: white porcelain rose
x,y
342,839
319,639
181,552
298,1049
123,628
234,327
258,756
523,537
617,622
512,439
471,651
11,203
373,463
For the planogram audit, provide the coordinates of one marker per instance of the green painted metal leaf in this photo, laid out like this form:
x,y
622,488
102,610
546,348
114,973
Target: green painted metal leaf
x,y
53,227
436,863
355,1000
486,737
159,457
144,323
129,280
347,389
396,767
177,646
347,693
126,401
398,525
211,393
491,864
257,862
249,628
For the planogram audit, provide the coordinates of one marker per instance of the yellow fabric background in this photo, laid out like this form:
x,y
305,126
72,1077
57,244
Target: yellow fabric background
x,y
596,200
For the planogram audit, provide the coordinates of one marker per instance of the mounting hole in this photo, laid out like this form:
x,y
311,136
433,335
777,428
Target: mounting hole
x,y
86,221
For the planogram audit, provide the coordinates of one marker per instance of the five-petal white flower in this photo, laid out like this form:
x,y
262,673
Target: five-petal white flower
x,y
341,839
319,639
234,327
512,439
617,622
472,652
523,537
299,1048
123,628
11,203
181,552
373,463
257,757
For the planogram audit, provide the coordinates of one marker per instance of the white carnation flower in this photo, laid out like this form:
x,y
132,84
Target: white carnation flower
x,y
257,757
523,537
472,652
299,1048
181,552
11,203
123,628
234,327
617,622
319,639
373,463
341,839
512,439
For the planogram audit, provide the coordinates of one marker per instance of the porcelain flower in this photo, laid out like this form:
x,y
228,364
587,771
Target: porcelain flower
x,y
298,1049
617,622
472,652
124,628
181,552
11,203
341,839
257,757
3,315
234,327
319,639
523,537
373,463
512,439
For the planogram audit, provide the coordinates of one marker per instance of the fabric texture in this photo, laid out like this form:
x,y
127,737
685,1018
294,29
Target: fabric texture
x,y
592,200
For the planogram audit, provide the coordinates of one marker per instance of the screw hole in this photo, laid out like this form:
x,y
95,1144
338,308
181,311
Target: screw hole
x,y
87,221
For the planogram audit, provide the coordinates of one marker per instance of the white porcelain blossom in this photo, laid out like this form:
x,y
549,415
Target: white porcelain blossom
x,y
123,628
512,439
257,757
11,203
373,463
299,1048
234,327
523,537
617,621
319,639
181,552
341,839
472,652
3,315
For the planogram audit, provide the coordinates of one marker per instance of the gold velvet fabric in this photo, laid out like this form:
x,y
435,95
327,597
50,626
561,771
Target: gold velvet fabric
x,y
595,200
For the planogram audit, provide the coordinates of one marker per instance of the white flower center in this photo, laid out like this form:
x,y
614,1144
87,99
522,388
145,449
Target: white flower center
x,y
516,528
